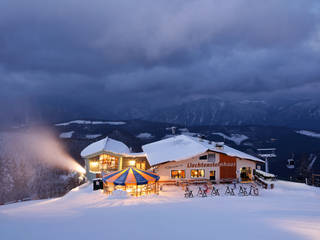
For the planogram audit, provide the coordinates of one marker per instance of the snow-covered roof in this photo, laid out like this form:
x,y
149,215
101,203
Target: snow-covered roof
x,y
139,154
181,147
107,144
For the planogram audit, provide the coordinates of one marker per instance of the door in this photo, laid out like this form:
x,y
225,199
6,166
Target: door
x,y
227,167
212,175
245,174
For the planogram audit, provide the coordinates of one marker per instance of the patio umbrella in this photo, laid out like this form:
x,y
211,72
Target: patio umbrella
x,y
130,176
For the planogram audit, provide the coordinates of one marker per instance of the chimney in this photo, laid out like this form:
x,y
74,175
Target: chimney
x,y
201,137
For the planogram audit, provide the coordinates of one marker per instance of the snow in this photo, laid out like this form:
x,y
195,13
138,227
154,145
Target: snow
x,y
134,154
184,129
290,211
93,136
145,135
309,133
66,134
119,194
167,136
236,138
89,122
191,134
115,123
106,144
174,148
181,147
267,175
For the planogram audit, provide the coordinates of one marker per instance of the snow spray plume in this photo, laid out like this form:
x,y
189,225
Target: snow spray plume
x,y
42,144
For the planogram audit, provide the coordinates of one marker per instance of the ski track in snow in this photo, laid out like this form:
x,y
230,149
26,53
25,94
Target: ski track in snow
x,y
290,211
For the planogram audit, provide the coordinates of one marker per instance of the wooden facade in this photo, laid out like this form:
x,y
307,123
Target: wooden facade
x,y
108,162
228,168
223,169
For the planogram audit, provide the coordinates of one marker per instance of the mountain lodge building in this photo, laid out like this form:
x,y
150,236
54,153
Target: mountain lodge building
x,y
180,158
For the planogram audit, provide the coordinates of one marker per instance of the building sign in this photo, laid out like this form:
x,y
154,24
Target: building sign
x,y
202,165
174,166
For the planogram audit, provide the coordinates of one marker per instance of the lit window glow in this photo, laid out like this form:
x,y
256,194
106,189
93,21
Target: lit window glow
x,y
94,166
132,162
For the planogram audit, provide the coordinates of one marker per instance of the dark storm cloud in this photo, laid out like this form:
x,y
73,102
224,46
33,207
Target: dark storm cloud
x,y
159,51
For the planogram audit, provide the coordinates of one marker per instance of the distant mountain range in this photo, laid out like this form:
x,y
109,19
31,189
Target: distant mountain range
x,y
296,114
304,114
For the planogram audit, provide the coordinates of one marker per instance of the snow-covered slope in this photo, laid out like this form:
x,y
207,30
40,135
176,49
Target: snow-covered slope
x,y
309,133
89,122
145,135
290,211
236,138
66,134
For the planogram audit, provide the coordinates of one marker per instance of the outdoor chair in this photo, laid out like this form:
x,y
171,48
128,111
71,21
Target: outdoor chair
x,y
243,191
215,191
200,192
204,193
188,194
229,191
254,191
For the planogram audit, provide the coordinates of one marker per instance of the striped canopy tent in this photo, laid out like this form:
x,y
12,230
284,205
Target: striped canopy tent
x,y
135,181
130,176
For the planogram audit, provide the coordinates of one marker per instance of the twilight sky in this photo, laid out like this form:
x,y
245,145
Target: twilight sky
x,y
124,52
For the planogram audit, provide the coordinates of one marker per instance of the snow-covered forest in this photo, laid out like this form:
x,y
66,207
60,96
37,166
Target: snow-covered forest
x,y
25,175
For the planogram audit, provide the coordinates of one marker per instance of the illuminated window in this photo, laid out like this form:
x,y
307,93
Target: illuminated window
x,y
245,174
94,166
108,162
141,165
178,174
197,173
132,162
